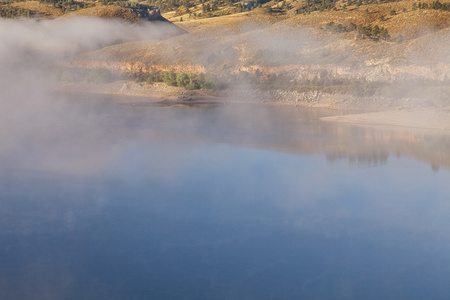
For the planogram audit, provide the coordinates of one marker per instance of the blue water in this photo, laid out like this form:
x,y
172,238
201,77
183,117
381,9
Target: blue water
x,y
223,202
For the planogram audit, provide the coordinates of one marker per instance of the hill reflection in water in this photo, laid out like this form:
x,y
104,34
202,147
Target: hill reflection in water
x,y
226,202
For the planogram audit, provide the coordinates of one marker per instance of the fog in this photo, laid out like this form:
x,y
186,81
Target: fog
x,y
106,201
31,49
37,41
30,52
32,113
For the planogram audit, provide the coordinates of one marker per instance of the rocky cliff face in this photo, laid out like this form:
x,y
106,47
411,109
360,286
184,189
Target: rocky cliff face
x,y
370,71
296,52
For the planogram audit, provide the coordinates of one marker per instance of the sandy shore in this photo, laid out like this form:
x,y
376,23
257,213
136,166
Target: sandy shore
x,y
359,111
423,118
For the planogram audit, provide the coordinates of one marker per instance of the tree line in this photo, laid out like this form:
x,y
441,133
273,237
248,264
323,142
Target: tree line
x,y
189,81
10,12
364,31
68,5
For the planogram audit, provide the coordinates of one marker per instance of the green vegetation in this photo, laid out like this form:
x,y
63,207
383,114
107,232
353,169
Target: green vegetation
x,y
68,5
188,81
321,5
142,9
9,11
322,82
375,32
316,5
435,5
101,75
208,8
332,27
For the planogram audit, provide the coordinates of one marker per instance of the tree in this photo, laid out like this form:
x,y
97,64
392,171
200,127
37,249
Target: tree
x,y
193,82
436,5
351,26
384,34
375,31
169,78
182,79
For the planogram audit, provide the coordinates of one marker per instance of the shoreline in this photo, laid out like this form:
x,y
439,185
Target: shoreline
x,y
362,111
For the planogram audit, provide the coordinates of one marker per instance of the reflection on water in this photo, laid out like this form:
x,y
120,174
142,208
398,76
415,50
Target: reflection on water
x,y
104,201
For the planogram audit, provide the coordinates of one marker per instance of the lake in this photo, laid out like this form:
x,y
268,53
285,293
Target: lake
x,y
106,201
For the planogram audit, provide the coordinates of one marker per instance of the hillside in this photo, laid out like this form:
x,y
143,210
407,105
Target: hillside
x,y
303,53
401,17
384,50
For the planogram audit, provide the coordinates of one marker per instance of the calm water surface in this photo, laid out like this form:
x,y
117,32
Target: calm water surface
x,y
106,201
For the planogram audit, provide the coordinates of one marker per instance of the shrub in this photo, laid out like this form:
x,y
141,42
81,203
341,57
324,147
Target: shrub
x,y
169,78
182,79
193,82
384,34
351,26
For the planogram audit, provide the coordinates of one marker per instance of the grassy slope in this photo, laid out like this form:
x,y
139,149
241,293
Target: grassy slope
x,y
108,12
50,11
236,32
249,41
407,22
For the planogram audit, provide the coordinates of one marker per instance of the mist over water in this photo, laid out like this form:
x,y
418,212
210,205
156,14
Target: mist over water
x,y
107,201
30,53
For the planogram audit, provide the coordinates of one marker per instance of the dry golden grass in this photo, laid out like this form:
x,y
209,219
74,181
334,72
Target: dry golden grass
x,y
225,42
48,10
410,23
406,22
234,32
108,12
229,22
